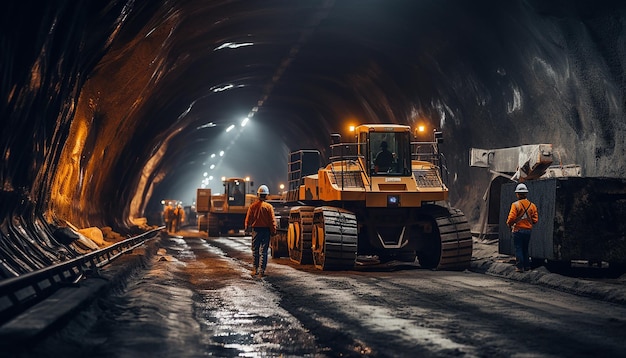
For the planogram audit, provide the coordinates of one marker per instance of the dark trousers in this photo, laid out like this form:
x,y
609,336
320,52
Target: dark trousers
x,y
260,244
521,240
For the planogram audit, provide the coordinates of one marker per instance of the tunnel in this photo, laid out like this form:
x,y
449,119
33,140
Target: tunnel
x,y
111,107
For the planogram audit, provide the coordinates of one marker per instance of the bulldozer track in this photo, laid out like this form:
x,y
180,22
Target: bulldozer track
x,y
213,225
456,241
334,238
299,234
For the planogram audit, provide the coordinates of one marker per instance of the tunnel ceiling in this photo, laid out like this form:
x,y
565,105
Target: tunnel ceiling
x,y
111,106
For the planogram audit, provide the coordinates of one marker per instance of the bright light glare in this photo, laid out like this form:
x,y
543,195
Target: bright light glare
x,y
247,178
212,166
244,121
213,155
351,128
211,177
208,125
223,178
230,128
421,128
221,153
205,174
232,45
220,89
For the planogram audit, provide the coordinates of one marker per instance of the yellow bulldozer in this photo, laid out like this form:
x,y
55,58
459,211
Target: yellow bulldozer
x,y
367,206
224,213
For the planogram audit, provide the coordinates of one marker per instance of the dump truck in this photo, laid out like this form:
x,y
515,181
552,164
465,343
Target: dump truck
x,y
225,212
356,211
580,218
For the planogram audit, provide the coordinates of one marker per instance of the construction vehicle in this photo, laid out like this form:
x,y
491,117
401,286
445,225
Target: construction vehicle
x,y
350,212
191,216
513,164
580,218
224,213
278,244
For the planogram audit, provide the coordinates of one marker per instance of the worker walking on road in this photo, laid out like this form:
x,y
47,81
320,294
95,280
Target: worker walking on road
x,y
178,218
260,217
168,216
522,216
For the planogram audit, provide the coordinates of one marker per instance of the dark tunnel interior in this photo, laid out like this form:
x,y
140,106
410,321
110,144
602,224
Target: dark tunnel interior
x,y
110,107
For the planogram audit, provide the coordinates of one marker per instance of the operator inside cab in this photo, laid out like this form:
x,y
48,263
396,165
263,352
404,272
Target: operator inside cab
x,y
238,196
384,159
389,152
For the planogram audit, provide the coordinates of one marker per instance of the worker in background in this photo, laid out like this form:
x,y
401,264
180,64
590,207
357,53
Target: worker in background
x,y
168,216
260,217
383,160
522,216
179,218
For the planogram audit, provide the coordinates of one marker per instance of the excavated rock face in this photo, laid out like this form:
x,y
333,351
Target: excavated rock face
x,y
110,107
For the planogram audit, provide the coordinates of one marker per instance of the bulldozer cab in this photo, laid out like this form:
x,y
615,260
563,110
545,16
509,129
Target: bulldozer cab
x,y
385,148
236,191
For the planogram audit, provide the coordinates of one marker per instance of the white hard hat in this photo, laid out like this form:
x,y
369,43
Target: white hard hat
x,y
521,188
263,190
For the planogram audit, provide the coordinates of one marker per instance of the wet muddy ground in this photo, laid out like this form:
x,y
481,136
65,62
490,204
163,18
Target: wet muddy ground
x,y
197,298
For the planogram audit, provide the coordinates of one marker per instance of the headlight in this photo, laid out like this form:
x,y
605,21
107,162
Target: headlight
x,y
393,201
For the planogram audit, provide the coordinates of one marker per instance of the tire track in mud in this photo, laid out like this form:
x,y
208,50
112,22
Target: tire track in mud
x,y
438,313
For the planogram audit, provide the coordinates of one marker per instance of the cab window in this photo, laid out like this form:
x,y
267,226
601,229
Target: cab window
x,y
388,153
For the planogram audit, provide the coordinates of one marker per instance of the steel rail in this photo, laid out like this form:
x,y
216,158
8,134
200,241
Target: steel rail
x,y
19,293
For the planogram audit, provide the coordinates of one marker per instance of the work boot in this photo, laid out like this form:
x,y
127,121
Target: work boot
x,y
254,272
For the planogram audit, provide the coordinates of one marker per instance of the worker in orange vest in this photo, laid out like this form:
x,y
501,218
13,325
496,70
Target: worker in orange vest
x,y
522,216
260,217
168,216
